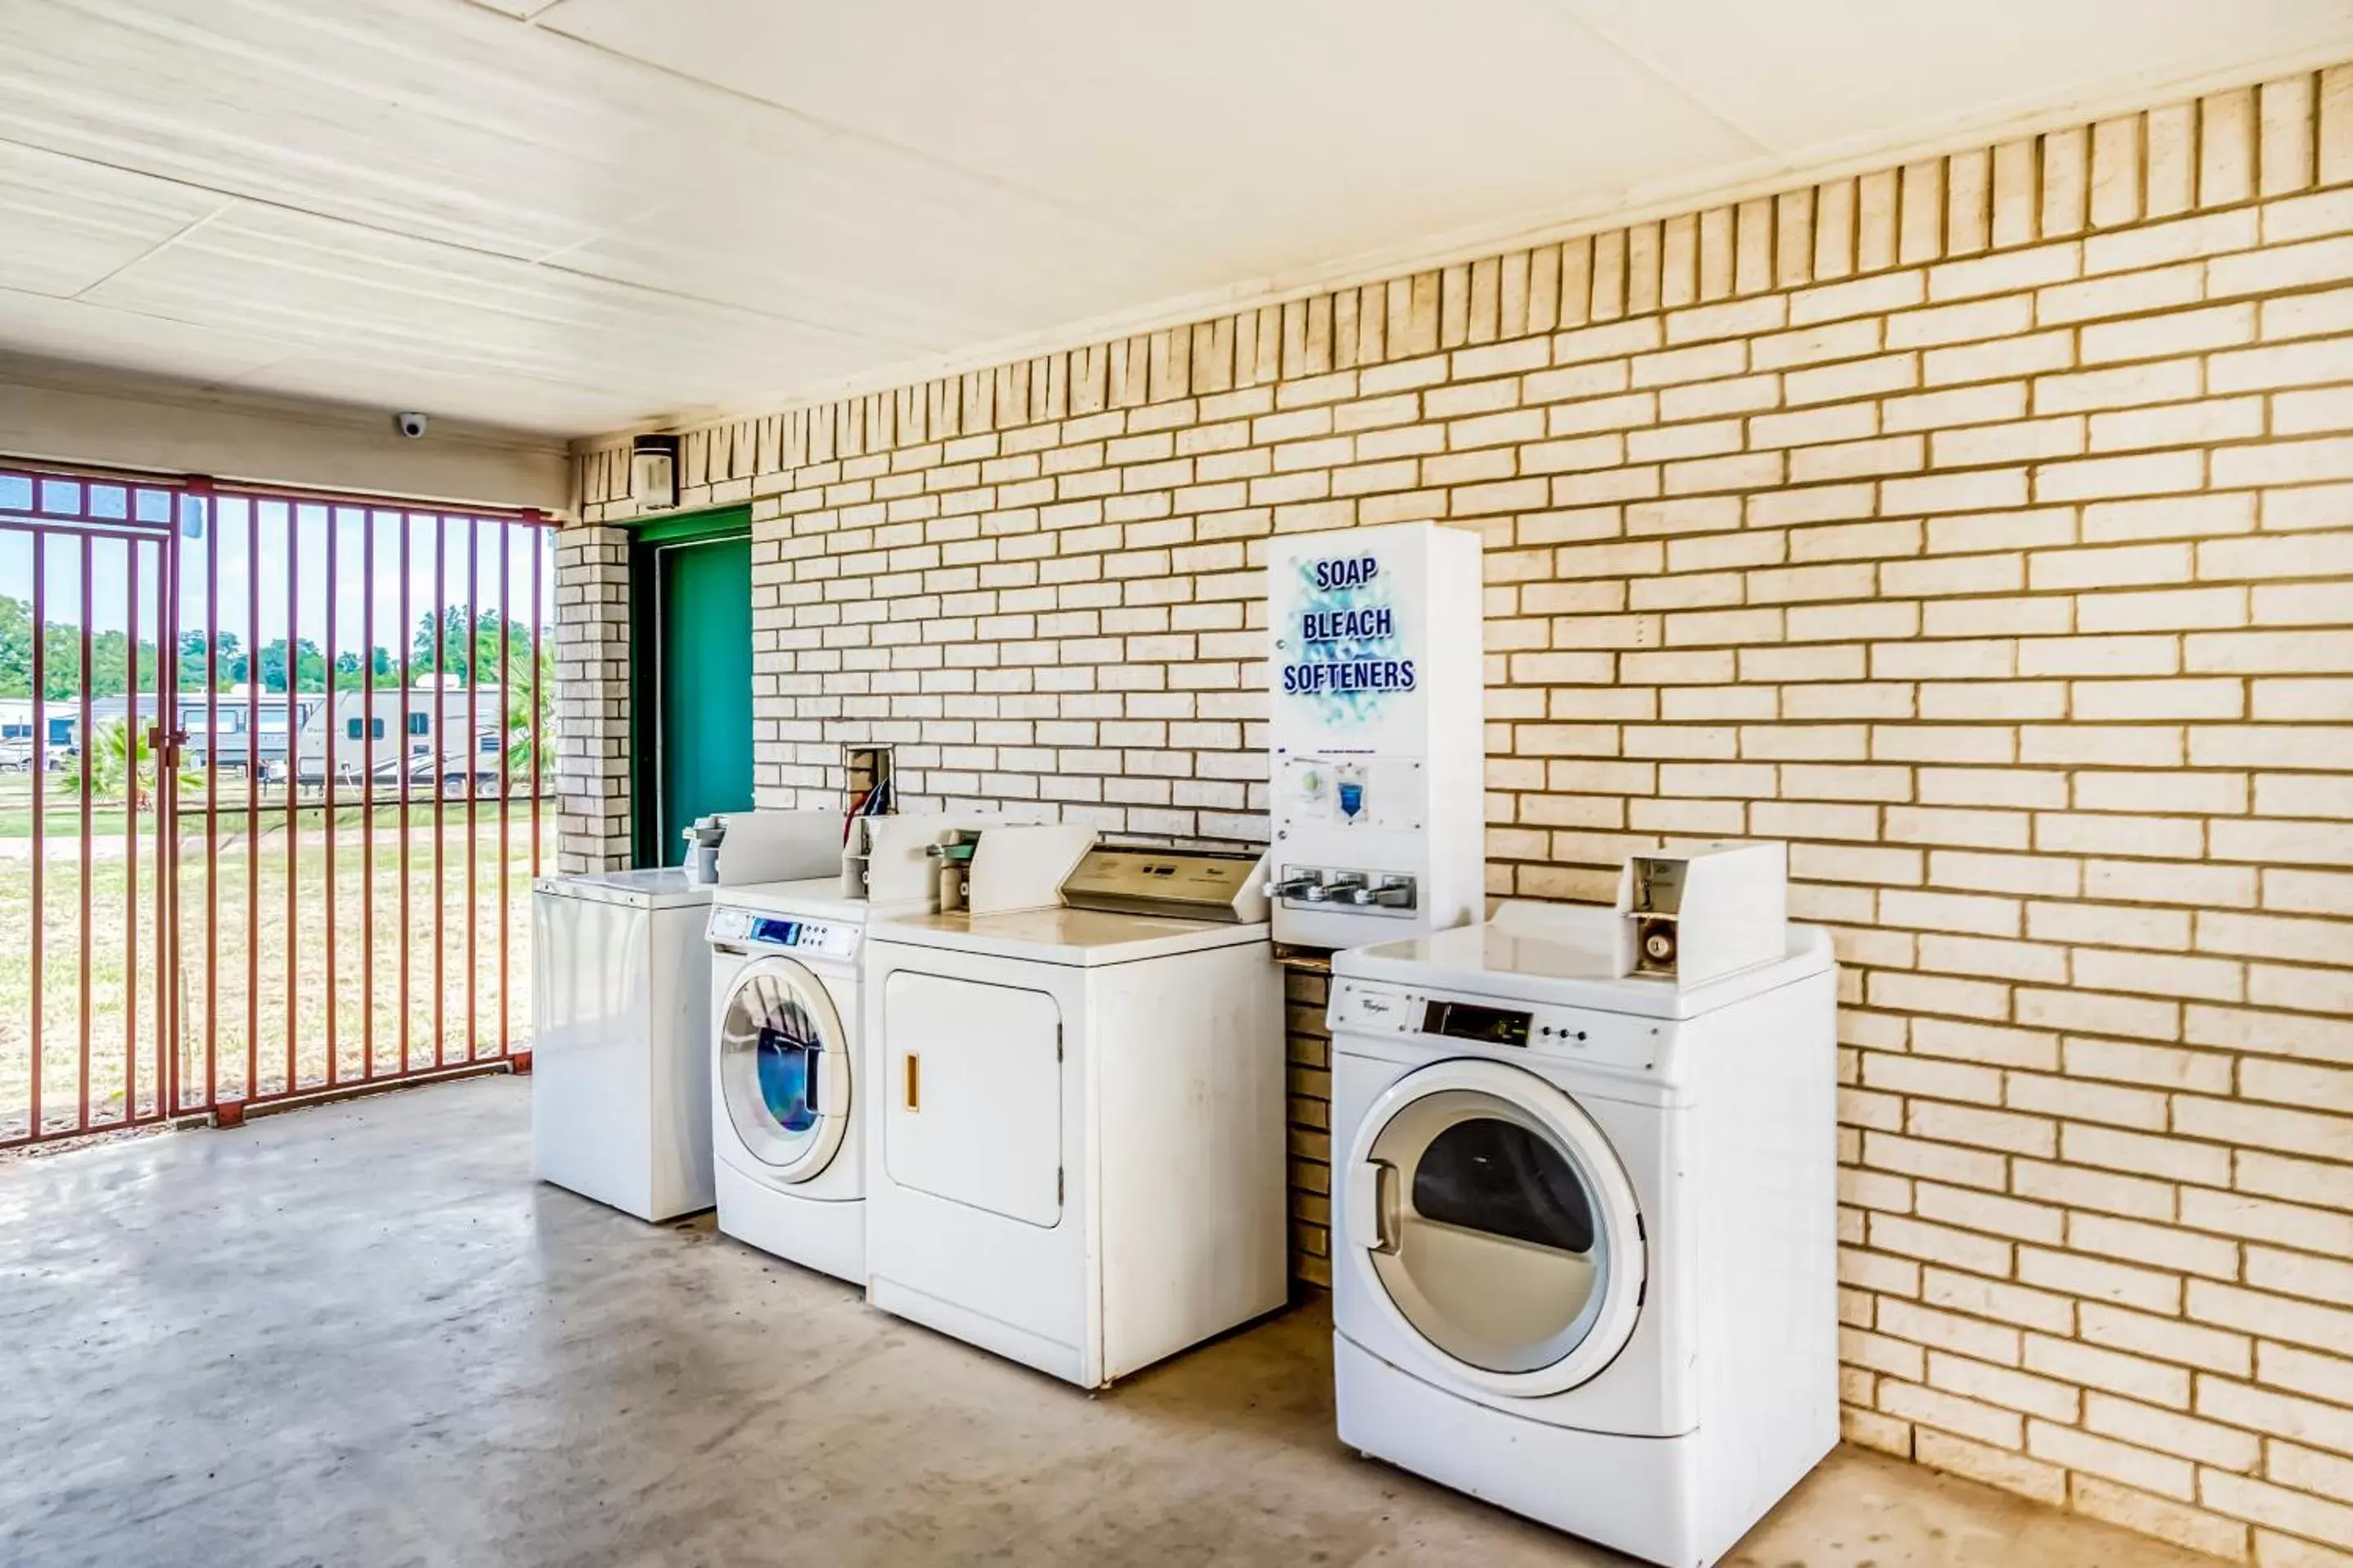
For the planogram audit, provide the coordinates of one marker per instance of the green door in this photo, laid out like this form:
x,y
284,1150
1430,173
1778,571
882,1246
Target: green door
x,y
701,688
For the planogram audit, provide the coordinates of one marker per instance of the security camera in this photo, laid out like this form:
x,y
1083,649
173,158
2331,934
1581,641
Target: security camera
x,y
410,425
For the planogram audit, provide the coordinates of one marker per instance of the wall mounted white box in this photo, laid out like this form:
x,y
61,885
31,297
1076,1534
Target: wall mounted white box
x,y
1377,730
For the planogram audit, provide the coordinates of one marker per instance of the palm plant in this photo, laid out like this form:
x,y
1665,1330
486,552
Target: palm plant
x,y
118,763
530,678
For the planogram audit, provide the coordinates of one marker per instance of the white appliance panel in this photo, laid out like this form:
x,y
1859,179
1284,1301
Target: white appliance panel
x,y
1721,1111
621,1086
1639,1496
973,1096
797,1195
1188,1071
1167,1117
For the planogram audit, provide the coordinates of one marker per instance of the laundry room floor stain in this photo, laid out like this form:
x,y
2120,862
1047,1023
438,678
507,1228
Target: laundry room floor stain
x,y
362,1336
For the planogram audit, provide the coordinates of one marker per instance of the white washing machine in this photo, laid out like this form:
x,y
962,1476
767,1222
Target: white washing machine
x,y
790,1176
620,1083
1586,1237
1076,1141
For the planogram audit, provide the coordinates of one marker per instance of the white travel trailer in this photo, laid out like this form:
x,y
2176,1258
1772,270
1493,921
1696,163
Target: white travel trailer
x,y
238,727
440,737
17,723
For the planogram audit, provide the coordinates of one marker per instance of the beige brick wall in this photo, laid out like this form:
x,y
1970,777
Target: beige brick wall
x,y
592,690
1984,528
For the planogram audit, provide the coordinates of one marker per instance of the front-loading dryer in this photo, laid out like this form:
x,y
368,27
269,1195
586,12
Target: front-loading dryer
x,y
789,1170
1585,1240
1075,1135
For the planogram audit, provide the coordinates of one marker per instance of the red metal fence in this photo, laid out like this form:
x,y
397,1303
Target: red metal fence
x,y
273,765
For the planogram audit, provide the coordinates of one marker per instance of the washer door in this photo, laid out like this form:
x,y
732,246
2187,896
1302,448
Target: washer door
x,y
1497,1225
783,1067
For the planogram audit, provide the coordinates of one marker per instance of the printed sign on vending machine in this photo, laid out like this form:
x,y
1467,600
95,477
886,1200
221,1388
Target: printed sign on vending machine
x,y
1376,732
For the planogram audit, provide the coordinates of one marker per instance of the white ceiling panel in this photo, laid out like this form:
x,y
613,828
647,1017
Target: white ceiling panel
x,y
524,401
430,118
339,288
937,265
570,216
1803,75
70,224
81,332
1282,135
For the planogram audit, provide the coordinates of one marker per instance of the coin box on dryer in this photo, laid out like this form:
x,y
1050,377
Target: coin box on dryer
x,y
1698,913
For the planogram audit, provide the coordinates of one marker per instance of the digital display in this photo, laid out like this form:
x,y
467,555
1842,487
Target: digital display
x,y
784,933
1488,1026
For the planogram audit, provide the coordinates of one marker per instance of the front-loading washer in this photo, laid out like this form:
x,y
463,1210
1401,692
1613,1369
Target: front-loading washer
x,y
1585,1245
788,1167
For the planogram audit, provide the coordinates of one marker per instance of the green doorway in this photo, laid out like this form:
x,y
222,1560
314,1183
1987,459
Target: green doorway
x,y
691,654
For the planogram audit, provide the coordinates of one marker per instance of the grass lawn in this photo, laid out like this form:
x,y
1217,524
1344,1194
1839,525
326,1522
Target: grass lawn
x,y
278,1031
61,807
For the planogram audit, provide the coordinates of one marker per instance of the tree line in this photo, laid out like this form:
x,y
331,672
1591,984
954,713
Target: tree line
x,y
305,667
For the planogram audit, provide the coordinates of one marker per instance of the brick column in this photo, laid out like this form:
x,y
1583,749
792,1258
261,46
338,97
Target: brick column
x,y
592,683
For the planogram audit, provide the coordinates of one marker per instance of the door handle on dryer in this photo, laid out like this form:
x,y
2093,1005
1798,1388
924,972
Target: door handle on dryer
x,y
914,1082
1372,1206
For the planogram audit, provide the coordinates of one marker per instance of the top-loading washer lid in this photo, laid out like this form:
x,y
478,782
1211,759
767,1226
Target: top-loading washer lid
x,y
1517,963
653,887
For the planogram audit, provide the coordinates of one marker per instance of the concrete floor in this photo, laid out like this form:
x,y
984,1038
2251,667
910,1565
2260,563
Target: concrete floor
x,y
362,1336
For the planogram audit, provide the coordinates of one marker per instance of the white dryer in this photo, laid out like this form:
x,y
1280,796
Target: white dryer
x,y
1585,1245
784,1083
1076,1141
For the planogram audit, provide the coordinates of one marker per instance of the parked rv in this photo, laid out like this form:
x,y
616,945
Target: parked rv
x,y
445,737
242,729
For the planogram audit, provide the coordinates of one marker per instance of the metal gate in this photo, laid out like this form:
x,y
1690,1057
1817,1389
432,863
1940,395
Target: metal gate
x,y
273,767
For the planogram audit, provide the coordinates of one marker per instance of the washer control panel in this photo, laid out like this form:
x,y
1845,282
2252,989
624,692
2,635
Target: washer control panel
x,y
1501,1027
816,939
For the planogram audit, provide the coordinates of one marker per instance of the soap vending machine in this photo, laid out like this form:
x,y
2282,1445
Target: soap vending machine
x,y
1376,728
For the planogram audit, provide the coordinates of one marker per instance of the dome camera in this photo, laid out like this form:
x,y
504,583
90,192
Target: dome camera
x,y
410,425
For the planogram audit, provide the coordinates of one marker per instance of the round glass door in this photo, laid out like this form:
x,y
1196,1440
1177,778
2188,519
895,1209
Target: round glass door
x,y
783,1067
1498,1225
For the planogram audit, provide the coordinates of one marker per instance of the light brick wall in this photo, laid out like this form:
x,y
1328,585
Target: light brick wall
x,y
591,693
1984,528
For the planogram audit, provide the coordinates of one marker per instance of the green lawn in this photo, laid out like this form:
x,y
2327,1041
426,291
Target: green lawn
x,y
287,951
61,807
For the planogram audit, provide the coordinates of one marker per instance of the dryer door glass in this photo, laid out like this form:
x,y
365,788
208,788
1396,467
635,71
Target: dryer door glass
x,y
1494,1247
783,1067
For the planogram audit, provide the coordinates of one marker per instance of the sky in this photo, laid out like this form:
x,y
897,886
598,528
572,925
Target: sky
x,y
221,539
